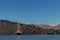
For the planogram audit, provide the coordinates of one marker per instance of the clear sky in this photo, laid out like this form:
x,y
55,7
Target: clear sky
x,y
31,11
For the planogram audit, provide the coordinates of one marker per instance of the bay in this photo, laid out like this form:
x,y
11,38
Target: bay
x,y
29,37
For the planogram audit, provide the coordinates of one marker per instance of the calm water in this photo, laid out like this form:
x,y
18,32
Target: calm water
x,y
30,37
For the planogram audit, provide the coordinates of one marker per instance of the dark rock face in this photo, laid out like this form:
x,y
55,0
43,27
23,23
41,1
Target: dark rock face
x,y
8,27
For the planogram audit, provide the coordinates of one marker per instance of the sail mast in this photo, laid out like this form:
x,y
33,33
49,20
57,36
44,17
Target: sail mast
x,y
18,24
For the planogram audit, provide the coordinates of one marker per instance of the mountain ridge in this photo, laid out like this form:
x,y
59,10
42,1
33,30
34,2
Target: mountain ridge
x,y
9,27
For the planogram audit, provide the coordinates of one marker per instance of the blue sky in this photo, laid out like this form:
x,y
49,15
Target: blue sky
x,y
31,11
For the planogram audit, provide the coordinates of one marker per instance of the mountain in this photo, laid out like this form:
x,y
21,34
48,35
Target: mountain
x,y
9,28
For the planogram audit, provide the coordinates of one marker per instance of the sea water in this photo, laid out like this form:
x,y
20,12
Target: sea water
x,y
29,37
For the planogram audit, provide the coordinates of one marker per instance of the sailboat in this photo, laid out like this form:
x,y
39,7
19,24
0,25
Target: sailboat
x,y
18,31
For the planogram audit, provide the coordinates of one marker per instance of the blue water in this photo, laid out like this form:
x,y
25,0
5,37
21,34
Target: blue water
x,y
30,37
